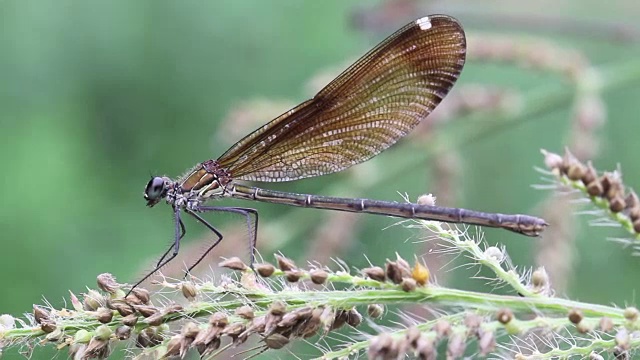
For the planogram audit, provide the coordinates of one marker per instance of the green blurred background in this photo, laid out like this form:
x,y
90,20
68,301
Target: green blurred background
x,y
97,95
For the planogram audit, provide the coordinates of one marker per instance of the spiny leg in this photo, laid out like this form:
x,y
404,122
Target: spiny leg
x,y
183,232
176,248
252,225
210,227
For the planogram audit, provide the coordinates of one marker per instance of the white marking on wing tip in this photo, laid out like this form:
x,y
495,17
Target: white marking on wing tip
x,y
424,23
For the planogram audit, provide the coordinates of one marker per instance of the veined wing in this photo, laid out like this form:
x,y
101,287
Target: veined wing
x,y
366,109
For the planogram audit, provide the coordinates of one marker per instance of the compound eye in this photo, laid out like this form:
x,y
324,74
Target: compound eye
x,y
154,189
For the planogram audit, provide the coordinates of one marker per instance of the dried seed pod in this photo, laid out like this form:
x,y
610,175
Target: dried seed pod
x,y
617,204
133,300
148,338
353,317
285,264
97,349
142,294
121,307
590,174
210,347
276,341
420,274
48,326
264,270
296,316
233,263
234,330
130,320
293,275
189,290
397,270
40,314
576,170
318,276
375,310
504,316
155,319
310,327
104,315
218,319
173,346
408,284
595,188
245,312
190,330
108,283
256,326
277,308
172,309
374,273
575,316
123,332
341,317
205,336
146,310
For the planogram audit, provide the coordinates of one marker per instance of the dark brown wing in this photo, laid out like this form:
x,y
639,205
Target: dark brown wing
x,y
366,109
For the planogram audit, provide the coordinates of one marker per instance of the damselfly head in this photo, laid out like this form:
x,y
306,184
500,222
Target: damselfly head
x,y
155,190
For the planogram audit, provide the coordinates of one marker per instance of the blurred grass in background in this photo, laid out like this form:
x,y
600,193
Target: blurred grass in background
x,y
96,96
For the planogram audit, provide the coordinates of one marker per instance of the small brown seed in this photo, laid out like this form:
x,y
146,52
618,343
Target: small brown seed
x,y
130,320
142,294
375,310
104,315
265,270
40,314
123,332
504,316
318,276
374,273
276,341
189,290
408,284
293,275
108,283
233,263
575,316
284,263
146,310
245,312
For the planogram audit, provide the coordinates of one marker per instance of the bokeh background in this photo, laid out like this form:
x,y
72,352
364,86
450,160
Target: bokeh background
x,y
95,96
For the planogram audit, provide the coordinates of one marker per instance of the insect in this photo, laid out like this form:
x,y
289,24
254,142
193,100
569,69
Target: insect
x,y
362,112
